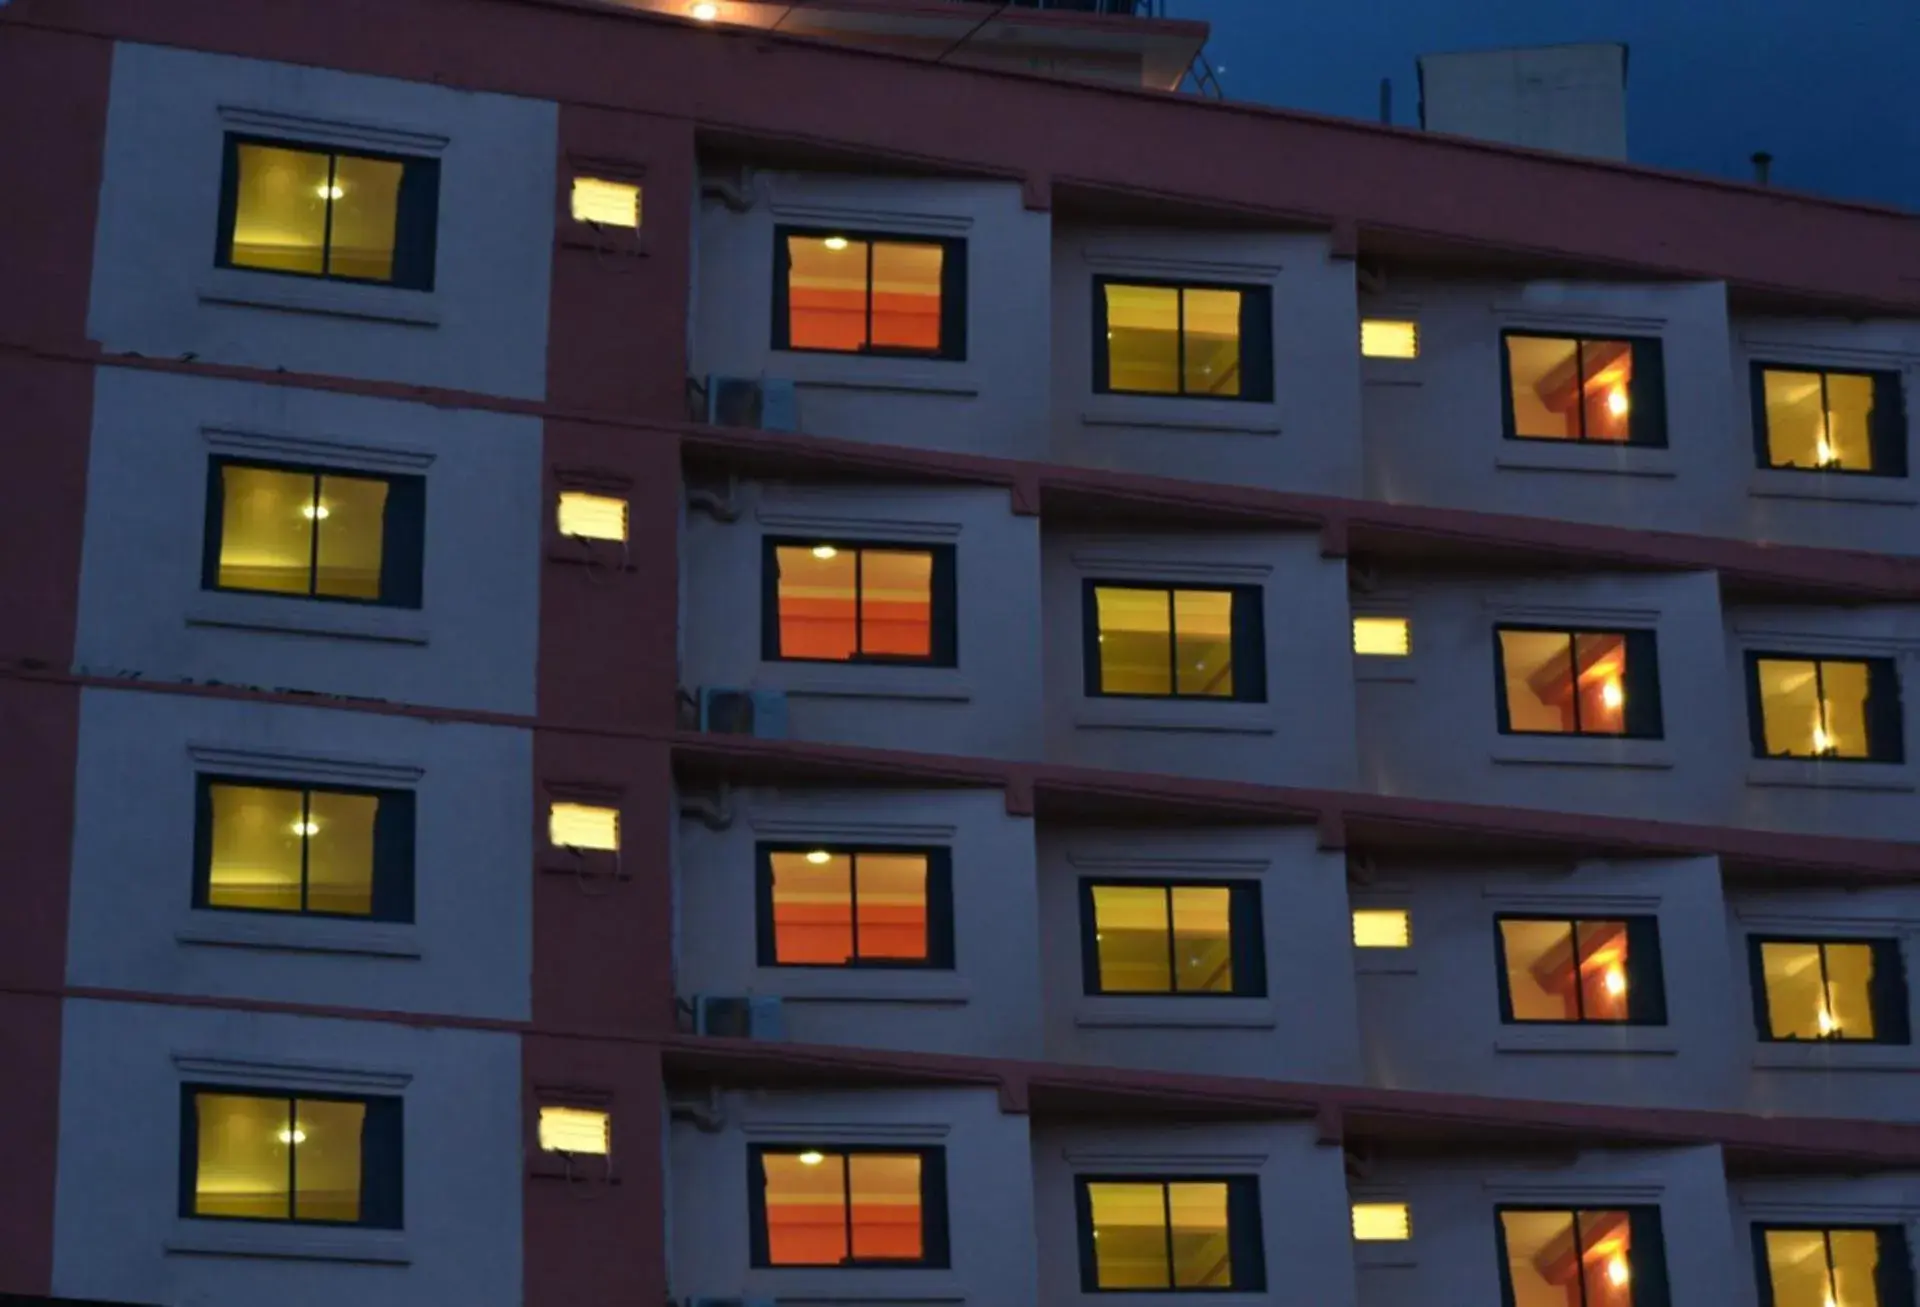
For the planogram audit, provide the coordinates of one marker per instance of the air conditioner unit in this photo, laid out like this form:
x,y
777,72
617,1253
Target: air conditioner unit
x,y
727,711
739,1016
763,403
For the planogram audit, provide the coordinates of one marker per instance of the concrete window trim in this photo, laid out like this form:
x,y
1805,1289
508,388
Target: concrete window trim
x,y
289,1243
1784,1211
1136,413
1582,751
783,1129
1176,716
1817,487
293,934
1823,1057
1110,1159
1164,1012
1383,1254
1605,1039
1586,457
309,447
290,1075
855,987
574,233
864,681
1572,1193
297,615
1819,774
827,827
279,764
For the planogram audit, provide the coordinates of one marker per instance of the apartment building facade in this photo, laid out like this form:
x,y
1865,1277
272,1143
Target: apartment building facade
x,y
653,660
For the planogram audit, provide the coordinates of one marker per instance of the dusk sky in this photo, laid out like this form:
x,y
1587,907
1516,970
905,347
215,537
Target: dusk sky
x,y
1831,89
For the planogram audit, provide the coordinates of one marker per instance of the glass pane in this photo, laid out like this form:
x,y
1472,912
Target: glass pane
x,y
1796,999
1603,969
1606,1258
256,844
366,210
1850,990
574,1130
826,293
812,908
1213,342
280,210
352,516
886,1206
592,517
340,852
1381,1222
1790,707
1130,939
1856,1256
1545,376
611,204
1129,1236
1203,653
1797,1265
906,295
1386,338
1541,979
1200,1255
266,529
806,1208
1608,366
1143,339
1382,637
816,602
1850,422
583,826
1542,1262
1844,706
242,1167
1538,667
1603,683
896,603
893,906
1382,928
1136,646
326,1145
1202,939
1796,419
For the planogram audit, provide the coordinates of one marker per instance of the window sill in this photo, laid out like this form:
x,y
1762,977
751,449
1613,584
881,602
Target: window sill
x,y
876,373
1150,1012
1383,1256
1824,1057
1384,670
286,616
863,985
1391,962
1616,1041
338,299
1183,715
297,935
1832,488
864,681
288,1242
1193,417
1815,774
1582,751
1585,457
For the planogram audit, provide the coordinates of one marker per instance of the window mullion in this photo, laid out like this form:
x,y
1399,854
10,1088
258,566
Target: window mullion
x,y
1826,423
1820,686
853,902
1173,960
306,842
846,1199
326,238
859,608
869,340
1579,975
1173,651
1573,686
1580,397
1166,1205
313,536
1180,339
1826,995
1579,1258
1826,1241
293,1158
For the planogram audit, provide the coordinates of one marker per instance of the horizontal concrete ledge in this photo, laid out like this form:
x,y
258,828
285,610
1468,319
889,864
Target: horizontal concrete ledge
x,y
1628,1041
294,935
239,288
1177,1013
289,1243
307,617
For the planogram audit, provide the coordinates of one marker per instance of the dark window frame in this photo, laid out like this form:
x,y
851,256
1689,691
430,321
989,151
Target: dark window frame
x,y
1645,970
935,1247
1886,994
1646,391
1248,641
382,1156
939,907
1256,340
1893,1272
1885,715
1641,684
1887,434
953,292
393,848
942,602
402,534
1246,1231
1646,1239
416,218
1246,938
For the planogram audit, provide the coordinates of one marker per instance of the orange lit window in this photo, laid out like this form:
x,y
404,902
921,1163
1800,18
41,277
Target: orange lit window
x,y
1578,682
855,294
848,1207
1561,970
1583,1258
1811,1266
1829,421
1831,989
854,907
1847,709
1567,388
860,603
1160,338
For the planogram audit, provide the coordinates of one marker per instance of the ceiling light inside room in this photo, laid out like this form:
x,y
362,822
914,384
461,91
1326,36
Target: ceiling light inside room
x,y
704,12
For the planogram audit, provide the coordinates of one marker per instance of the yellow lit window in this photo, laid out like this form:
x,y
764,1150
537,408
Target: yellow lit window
x,y
1171,1235
583,826
1182,340
1173,939
1562,970
1578,683
1831,989
279,1158
1163,642
1381,1222
824,1208
1382,928
1834,1268
316,534
574,1130
853,294
605,203
1565,388
318,212
1564,1257
1382,637
1386,338
1831,421
592,517
277,848
1827,708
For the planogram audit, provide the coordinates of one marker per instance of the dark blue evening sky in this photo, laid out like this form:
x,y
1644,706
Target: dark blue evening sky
x,y
1830,87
